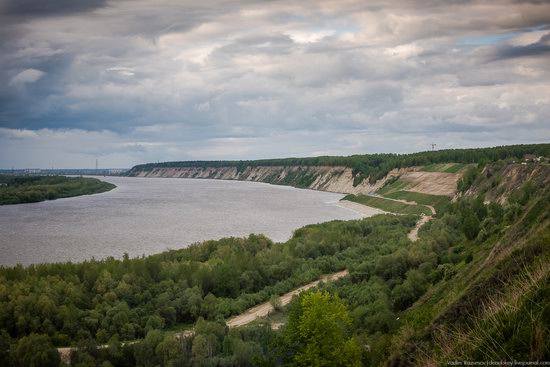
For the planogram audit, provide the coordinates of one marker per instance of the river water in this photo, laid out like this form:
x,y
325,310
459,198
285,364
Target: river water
x,y
144,216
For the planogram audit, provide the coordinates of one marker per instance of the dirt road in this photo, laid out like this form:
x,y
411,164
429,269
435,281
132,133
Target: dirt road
x,y
264,309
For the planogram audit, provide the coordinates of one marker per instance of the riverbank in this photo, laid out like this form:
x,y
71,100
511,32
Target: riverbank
x,y
33,189
144,216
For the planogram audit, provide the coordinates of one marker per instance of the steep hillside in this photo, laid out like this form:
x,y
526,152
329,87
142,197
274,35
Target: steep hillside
x,y
432,173
498,181
496,306
324,178
374,166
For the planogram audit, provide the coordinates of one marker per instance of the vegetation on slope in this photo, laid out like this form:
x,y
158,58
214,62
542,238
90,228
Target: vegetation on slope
x,y
213,280
445,167
31,189
473,287
373,166
437,201
387,205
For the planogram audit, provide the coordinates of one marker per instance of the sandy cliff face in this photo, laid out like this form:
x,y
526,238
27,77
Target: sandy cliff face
x,y
323,178
433,183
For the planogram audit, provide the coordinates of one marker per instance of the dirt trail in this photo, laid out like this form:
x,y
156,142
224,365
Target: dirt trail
x,y
413,234
264,309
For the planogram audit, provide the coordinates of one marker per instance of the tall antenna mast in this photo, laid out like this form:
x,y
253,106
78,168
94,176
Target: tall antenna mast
x,y
96,164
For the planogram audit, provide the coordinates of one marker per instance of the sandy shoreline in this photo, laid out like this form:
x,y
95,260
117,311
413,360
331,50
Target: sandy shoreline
x,y
364,210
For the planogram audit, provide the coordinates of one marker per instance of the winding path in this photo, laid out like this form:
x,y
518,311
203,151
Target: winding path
x,y
361,208
262,310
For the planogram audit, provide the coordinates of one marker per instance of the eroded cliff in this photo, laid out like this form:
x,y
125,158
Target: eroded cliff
x,y
323,178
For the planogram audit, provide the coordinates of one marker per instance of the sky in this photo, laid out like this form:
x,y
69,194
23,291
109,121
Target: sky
x,y
132,81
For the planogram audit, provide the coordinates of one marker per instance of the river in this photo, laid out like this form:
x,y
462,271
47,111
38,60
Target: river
x,y
143,216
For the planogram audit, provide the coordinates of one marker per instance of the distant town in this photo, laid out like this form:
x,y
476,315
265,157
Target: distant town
x,y
67,171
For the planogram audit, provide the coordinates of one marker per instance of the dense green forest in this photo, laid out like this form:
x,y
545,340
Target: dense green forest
x,y
376,166
479,271
32,189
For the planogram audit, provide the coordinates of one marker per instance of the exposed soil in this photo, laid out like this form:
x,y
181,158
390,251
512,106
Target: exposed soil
x,y
433,183
327,178
413,234
264,309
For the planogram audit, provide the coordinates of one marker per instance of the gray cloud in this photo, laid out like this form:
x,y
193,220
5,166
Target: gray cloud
x,y
139,81
539,48
50,7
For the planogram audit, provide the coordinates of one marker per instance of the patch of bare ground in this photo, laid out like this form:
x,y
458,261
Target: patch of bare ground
x,y
433,183
262,310
413,234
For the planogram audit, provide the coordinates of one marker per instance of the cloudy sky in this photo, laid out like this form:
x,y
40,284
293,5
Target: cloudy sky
x,y
133,81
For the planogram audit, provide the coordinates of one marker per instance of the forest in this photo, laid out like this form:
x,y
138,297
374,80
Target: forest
x,y
375,166
398,304
32,189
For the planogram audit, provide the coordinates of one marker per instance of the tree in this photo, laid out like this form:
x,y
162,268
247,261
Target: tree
x,y
168,350
35,350
145,351
275,302
471,225
199,350
5,341
316,332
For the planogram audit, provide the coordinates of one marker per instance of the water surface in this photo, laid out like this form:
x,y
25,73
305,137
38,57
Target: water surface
x,y
151,215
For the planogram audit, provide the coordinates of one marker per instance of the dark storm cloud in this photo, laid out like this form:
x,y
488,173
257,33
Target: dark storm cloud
x,y
48,7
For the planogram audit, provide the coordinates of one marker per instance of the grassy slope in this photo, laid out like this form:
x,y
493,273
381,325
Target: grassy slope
x,y
389,205
392,185
497,306
437,201
396,188
445,167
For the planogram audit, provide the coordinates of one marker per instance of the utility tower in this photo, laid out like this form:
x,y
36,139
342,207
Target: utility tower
x,y
96,165
433,145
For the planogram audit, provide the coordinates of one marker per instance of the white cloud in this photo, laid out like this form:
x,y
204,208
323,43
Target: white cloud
x,y
26,76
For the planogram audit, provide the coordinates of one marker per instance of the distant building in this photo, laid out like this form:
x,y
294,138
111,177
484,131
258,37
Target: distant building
x,y
530,158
